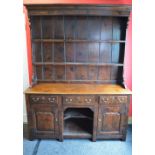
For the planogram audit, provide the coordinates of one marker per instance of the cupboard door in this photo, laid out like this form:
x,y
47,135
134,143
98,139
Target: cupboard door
x,y
112,121
45,121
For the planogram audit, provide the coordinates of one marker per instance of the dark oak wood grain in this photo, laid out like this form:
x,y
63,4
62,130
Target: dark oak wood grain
x,y
96,10
72,40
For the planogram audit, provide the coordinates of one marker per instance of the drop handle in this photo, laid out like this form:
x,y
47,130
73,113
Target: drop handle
x,y
88,99
105,100
35,99
69,99
121,99
51,99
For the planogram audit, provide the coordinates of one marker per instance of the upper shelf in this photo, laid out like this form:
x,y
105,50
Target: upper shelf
x,y
78,63
68,9
81,40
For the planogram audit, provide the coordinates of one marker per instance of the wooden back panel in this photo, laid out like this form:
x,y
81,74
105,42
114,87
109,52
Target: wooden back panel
x,y
81,49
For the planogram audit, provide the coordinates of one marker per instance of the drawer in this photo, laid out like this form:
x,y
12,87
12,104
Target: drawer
x,y
113,99
79,99
47,99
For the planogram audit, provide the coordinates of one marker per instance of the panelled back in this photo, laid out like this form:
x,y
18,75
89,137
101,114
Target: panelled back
x,y
86,49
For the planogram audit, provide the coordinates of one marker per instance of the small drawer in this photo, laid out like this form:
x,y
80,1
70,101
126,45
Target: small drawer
x,y
79,99
113,99
47,99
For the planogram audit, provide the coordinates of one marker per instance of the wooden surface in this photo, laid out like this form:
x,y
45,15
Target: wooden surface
x,y
97,10
37,2
58,88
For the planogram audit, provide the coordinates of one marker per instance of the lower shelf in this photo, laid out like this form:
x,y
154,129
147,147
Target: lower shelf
x,y
78,128
78,113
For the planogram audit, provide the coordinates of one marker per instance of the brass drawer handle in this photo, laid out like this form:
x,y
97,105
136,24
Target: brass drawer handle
x,y
105,99
51,99
121,99
88,100
35,99
69,99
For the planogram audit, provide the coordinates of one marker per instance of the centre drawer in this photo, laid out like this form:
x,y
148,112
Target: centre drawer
x,y
79,99
43,99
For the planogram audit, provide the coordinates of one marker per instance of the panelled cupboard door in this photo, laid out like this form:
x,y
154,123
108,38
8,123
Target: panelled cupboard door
x,y
45,121
112,121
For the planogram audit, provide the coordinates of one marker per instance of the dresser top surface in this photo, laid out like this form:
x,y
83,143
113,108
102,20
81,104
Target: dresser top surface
x,y
61,88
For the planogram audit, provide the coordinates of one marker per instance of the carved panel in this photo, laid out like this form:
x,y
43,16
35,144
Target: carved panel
x,y
44,121
111,122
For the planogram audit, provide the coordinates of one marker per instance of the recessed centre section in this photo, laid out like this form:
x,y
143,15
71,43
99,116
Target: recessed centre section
x,y
78,122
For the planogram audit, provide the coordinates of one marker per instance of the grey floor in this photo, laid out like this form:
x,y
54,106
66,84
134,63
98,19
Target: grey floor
x,y
78,147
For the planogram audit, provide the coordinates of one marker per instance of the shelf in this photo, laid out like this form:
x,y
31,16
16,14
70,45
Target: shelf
x,y
81,40
78,127
78,63
77,114
79,81
78,121
78,117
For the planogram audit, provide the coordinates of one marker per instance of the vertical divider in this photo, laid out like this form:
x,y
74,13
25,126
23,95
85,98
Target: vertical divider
x,y
52,22
64,45
34,75
88,50
34,78
111,67
42,57
75,45
53,47
99,48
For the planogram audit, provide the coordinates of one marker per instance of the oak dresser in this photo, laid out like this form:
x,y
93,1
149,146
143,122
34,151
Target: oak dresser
x,y
78,88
